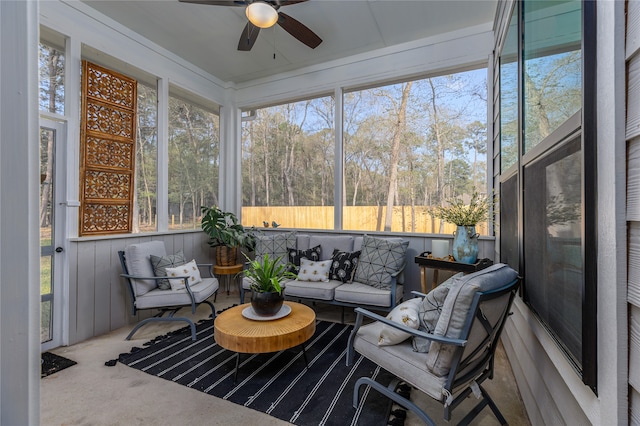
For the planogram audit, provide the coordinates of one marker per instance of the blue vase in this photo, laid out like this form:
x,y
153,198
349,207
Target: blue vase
x,y
465,244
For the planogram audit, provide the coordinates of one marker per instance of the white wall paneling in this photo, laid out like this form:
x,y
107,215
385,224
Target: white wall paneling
x,y
99,294
633,203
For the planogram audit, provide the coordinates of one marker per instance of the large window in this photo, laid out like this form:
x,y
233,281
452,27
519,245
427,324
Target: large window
x,y
145,217
288,165
194,144
406,147
553,213
412,145
552,67
51,67
553,181
509,97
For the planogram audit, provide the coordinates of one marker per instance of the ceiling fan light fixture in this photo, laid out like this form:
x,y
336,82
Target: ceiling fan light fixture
x,y
261,14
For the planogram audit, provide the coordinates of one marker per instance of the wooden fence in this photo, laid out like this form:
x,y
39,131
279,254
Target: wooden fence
x,y
358,218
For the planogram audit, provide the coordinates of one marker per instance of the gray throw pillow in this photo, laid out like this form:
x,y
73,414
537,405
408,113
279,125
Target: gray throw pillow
x,y
429,312
161,263
275,245
380,259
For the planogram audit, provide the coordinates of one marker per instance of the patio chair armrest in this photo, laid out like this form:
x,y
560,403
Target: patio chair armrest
x,y
209,267
418,333
399,271
137,277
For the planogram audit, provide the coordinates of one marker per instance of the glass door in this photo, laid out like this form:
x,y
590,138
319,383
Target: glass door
x,y
51,135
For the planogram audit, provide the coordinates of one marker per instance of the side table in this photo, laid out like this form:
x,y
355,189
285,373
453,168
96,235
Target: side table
x,y
438,264
227,271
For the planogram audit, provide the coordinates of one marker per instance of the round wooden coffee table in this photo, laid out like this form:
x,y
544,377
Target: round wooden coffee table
x,y
236,333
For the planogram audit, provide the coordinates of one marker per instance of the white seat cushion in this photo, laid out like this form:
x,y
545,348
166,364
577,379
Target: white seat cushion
x,y
320,290
363,294
399,360
157,298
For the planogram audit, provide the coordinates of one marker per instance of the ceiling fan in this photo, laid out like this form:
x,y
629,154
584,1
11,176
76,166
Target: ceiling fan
x,y
264,14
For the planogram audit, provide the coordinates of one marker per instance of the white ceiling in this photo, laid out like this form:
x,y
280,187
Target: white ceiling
x,y
207,36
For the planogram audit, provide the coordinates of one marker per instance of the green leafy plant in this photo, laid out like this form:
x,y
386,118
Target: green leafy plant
x,y
462,214
266,274
224,229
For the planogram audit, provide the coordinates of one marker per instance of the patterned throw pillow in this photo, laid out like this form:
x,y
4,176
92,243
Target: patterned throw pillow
x,y
405,313
380,258
314,271
313,253
189,269
343,263
429,312
161,263
275,245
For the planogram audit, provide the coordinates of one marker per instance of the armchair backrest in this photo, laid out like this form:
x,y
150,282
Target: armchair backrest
x,y
487,295
138,263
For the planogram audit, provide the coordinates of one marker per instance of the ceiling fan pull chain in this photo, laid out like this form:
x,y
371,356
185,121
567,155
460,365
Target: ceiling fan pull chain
x,y
274,42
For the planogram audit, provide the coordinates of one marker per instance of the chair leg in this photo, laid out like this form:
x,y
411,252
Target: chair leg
x,y
391,394
486,400
213,309
171,318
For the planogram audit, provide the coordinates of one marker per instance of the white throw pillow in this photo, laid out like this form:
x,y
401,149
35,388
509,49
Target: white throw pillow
x,y
189,269
314,271
405,313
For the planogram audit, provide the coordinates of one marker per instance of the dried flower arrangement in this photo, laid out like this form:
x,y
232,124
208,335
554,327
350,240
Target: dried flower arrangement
x,y
462,214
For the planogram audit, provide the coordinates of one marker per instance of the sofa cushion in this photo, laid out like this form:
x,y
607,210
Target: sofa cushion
x,y
406,314
380,259
456,308
363,294
312,290
302,241
330,243
343,264
138,259
295,255
161,263
314,270
275,245
189,269
429,312
400,360
157,297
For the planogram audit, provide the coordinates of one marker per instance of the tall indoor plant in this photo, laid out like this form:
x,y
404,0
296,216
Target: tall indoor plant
x,y
226,234
465,217
266,275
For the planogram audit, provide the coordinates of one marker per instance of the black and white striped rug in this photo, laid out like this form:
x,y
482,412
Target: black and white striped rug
x,y
275,383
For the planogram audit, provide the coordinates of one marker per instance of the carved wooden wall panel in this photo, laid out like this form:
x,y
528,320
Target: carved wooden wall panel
x,y
107,143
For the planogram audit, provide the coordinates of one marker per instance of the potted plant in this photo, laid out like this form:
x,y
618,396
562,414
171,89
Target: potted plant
x,y
266,292
226,234
465,217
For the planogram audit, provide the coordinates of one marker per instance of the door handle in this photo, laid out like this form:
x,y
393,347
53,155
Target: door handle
x,y
59,249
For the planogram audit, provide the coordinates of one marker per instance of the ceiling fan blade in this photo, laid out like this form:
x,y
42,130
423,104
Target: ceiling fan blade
x,y
277,3
218,2
248,37
298,30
